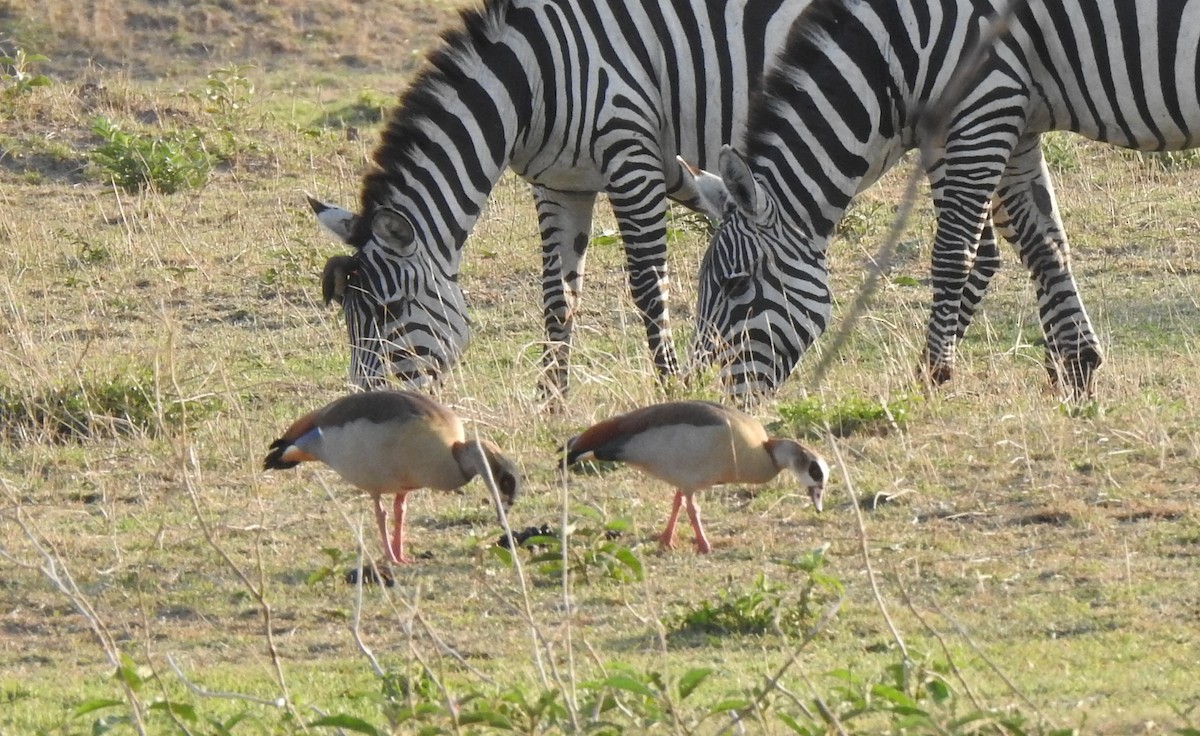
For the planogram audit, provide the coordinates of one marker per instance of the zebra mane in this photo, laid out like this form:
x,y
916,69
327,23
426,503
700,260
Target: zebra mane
x,y
477,28
821,23
803,42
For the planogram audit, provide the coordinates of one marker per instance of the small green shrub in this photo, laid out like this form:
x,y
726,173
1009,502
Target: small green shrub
x,y
1061,151
851,415
336,561
766,607
227,92
754,612
864,220
681,223
684,223
227,95
911,696
95,407
17,76
158,714
625,700
606,238
594,550
137,162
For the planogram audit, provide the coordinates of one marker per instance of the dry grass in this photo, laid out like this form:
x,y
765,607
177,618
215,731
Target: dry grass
x,y
1055,548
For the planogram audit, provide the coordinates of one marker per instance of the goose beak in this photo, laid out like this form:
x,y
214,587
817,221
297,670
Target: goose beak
x,y
817,494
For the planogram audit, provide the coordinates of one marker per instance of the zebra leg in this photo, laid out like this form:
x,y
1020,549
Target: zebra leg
x,y
984,266
1027,196
641,210
964,261
565,221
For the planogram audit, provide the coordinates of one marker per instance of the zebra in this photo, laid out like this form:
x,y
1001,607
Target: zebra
x,y
974,84
576,96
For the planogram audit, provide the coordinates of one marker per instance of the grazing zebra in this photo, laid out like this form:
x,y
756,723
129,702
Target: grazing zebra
x,y
862,81
576,96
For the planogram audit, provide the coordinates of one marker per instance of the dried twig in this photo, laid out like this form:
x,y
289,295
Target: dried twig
x,y
773,680
256,590
991,664
55,571
864,546
941,642
220,694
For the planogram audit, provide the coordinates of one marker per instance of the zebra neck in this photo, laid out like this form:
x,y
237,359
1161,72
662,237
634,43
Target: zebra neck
x,y
832,116
813,192
454,131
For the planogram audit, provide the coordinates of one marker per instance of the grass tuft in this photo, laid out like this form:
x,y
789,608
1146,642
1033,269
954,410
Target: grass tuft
x,y
99,407
852,415
165,163
764,607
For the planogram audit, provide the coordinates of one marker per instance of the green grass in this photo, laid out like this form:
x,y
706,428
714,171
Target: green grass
x,y
1048,555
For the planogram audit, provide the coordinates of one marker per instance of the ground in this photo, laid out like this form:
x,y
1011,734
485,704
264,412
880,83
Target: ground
x,y
1036,557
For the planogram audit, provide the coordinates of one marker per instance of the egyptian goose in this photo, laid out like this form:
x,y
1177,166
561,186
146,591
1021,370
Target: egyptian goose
x,y
696,444
393,442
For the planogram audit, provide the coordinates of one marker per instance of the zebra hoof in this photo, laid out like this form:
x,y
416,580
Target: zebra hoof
x,y
1075,374
935,374
551,397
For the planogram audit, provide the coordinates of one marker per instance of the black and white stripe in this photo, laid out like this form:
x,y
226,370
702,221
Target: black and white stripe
x,y
862,81
578,97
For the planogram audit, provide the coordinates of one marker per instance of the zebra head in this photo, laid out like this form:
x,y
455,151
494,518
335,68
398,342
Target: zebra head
x,y
763,293
402,316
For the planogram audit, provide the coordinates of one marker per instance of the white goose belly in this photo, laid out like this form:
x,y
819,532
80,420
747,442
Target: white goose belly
x,y
392,458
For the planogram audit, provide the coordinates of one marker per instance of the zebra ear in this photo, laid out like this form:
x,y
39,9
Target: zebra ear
x,y
714,195
743,189
337,221
393,230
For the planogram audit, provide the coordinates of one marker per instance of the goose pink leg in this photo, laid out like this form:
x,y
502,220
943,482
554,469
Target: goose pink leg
x,y
666,540
693,509
394,548
398,508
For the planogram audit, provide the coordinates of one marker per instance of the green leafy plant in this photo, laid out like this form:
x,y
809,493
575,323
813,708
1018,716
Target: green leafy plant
x,y
766,606
683,223
87,253
643,699
851,415
226,92
159,715
227,95
17,76
606,238
680,224
593,548
909,697
624,700
1061,151
817,585
1090,409
865,219
758,610
98,407
336,559
137,162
